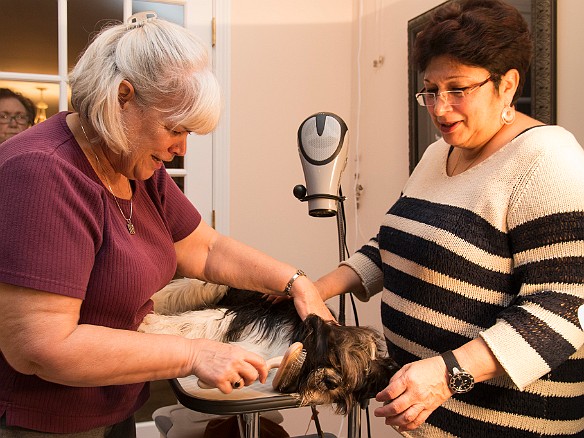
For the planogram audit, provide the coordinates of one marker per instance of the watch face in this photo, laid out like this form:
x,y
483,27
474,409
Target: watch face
x,y
461,382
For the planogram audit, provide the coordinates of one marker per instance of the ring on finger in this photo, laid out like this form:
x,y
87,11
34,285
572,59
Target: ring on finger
x,y
237,384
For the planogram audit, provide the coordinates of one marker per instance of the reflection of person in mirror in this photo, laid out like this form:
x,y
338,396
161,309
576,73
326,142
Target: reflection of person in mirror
x,y
480,261
16,113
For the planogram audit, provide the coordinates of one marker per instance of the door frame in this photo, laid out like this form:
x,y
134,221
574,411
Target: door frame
x,y
222,135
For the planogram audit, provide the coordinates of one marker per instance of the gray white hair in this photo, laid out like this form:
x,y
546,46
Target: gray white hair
x,y
166,64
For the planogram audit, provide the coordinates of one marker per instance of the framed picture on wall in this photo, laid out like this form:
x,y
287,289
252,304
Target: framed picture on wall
x,y
539,93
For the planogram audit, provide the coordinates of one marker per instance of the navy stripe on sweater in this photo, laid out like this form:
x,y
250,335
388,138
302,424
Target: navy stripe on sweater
x,y
548,230
460,222
562,304
437,298
440,259
557,270
539,335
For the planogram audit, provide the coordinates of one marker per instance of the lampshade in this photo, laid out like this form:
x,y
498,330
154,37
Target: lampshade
x,y
41,108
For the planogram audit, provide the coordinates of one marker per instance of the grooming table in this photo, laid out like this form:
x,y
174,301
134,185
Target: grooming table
x,y
246,403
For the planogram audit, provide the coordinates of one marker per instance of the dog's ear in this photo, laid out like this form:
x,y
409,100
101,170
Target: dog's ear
x,y
316,335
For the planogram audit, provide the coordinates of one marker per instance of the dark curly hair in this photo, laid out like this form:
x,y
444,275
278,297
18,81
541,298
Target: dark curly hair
x,y
6,93
490,34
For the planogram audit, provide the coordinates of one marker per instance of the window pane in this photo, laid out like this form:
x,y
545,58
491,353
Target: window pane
x,y
180,182
172,13
32,91
29,36
177,162
87,18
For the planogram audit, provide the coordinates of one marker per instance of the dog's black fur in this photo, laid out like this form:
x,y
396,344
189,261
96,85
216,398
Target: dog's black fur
x,y
344,365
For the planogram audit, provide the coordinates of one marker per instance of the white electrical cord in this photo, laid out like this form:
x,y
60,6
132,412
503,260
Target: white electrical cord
x,y
358,122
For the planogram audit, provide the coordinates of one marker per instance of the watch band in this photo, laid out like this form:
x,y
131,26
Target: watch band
x,y
460,380
451,362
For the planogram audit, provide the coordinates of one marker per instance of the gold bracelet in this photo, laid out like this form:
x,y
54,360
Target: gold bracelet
x,y
288,288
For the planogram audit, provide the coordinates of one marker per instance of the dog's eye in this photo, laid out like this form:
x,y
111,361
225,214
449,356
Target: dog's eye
x,y
324,381
330,380
330,384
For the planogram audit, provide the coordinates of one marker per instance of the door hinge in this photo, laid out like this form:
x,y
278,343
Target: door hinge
x,y
213,221
213,32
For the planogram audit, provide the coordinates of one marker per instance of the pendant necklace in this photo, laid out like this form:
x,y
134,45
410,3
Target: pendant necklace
x,y
129,224
469,164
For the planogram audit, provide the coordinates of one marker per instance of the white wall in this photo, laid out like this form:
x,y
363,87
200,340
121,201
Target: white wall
x,y
295,57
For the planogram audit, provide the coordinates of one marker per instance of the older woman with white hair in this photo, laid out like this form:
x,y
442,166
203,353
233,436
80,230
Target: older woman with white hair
x,y
91,226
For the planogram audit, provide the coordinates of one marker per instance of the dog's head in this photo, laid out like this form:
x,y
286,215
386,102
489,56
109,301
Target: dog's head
x,y
344,365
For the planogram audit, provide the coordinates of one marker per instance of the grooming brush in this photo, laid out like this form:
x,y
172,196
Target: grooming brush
x,y
288,365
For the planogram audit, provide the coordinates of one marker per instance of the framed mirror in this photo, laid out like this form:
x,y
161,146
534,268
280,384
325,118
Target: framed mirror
x,y
539,93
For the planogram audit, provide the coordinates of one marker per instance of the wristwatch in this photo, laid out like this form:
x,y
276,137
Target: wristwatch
x,y
460,381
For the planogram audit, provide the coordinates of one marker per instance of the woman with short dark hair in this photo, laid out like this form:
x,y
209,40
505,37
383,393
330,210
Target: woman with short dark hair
x,y
481,259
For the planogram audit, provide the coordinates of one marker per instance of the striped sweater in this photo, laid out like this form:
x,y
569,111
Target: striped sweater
x,y
495,252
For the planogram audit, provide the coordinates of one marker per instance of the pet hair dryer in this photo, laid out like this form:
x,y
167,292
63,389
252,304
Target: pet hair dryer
x,y
323,153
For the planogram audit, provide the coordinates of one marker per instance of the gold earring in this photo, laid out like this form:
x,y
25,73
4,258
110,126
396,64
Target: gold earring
x,y
508,114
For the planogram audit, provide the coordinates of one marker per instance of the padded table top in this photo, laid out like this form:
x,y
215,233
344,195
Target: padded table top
x,y
256,397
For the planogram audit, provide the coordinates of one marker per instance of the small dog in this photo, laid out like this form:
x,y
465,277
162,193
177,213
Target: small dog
x,y
344,365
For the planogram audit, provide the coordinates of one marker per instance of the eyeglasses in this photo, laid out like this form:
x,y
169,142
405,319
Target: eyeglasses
x,y
453,97
20,119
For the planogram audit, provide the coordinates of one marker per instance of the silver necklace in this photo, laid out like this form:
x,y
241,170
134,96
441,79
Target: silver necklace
x,y
129,224
469,164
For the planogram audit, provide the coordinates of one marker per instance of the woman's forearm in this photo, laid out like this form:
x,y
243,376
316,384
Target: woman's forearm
x,y
99,356
232,263
478,359
340,281
40,335
216,258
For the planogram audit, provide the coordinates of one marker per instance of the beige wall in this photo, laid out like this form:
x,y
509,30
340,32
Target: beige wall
x,y
290,59
293,58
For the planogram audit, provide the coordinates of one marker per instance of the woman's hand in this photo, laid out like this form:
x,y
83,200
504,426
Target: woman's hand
x,y
413,393
226,366
307,300
312,296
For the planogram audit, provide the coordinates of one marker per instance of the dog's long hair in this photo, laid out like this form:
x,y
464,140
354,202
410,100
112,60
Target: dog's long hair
x,y
344,365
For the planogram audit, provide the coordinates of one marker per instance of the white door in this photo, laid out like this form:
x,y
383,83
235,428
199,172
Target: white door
x,y
43,76
194,173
